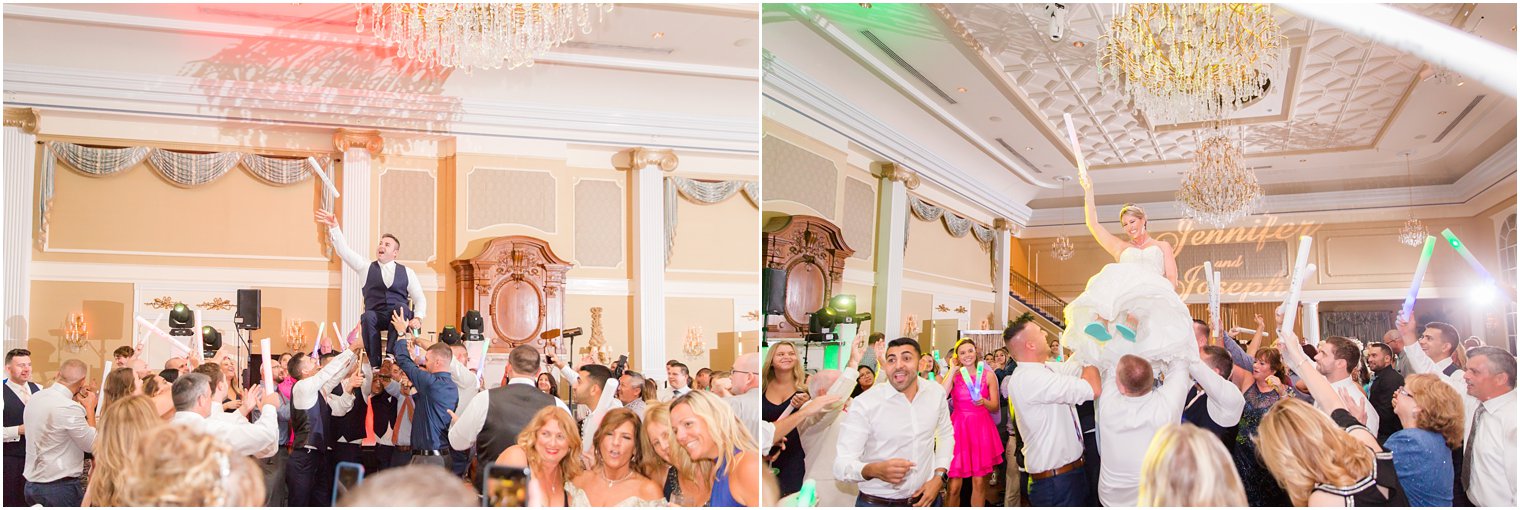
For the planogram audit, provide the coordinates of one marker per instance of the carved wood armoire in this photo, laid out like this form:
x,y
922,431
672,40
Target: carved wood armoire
x,y
812,251
518,285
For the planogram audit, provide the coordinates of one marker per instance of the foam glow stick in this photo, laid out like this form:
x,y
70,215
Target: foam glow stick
x,y
100,403
197,339
1419,275
1071,134
808,496
1290,308
317,344
154,329
326,183
480,362
1212,278
143,338
1250,331
268,369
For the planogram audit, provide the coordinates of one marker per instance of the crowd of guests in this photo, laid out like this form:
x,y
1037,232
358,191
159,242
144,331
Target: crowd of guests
x,y
1419,418
424,426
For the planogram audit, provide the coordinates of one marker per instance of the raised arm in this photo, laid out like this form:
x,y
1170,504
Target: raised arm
x,y
1226,402
419,298
1319,386
350,258
1110,243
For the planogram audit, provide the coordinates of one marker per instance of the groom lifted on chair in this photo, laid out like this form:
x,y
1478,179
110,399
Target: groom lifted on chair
x,y
387,288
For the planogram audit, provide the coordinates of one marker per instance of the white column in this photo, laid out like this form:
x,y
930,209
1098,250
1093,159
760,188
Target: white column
x,y
19,184
357,148
1311,322
1002,241
891,238
646,186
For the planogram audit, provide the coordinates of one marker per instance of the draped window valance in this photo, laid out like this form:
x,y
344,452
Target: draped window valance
x,y
957,226
704,193
184,169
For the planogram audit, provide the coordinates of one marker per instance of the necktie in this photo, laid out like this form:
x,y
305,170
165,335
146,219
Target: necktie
x,y
1467,451
405,414
369,421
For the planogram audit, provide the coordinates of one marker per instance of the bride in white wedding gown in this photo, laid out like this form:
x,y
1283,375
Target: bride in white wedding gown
x,y
1131,306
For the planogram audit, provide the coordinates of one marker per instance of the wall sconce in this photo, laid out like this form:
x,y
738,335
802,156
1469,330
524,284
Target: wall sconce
x,y
74,331
694,346
295,338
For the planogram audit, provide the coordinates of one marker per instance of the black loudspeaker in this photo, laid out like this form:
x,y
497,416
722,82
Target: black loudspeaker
x,y
247,316
773,287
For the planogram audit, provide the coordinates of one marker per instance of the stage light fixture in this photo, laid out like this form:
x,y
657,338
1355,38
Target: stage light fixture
x,y
474,326
211,340
181,320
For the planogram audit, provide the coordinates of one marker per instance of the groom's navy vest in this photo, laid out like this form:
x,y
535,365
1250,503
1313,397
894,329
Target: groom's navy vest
x,y
378,297
13,412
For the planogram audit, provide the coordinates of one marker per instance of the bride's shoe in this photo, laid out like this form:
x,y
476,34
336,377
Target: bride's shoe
x,y
1097,331
1125,331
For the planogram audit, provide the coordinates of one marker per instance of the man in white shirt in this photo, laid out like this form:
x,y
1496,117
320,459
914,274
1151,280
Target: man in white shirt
x,y
308,459
1130,412
19,389
746,405
678,377
1438,352
388,286
1335,359
1488,460
60,429
491,429
1044,395
593,389
896,440
193,405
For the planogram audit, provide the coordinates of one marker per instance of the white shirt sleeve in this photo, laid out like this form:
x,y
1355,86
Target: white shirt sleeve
x,y
350,258
944,440
767,437
259,439
1058,389
78,429
304,394
340,404
414,290
1418,360
467,427
1226,402
1174,391
567,374
12,434
852,442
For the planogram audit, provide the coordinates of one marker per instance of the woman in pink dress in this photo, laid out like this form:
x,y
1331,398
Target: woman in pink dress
x,y
973,391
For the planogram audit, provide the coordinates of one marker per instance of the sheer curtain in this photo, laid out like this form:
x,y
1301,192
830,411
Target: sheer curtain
x,y
1365,326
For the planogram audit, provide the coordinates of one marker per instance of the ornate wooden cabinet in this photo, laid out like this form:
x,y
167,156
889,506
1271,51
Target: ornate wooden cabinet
x,y
812,252
518,285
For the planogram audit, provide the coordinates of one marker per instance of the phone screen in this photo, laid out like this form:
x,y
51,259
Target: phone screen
x,y
505,486
346,478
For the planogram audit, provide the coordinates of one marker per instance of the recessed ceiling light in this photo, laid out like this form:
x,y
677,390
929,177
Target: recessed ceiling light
x,y
995,118
1419,137
1461,83
1029,148
1303,161
1078,44
1150,172
1442,112
961,90
659,35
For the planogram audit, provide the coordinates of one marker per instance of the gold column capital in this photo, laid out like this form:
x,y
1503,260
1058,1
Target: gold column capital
x,y
894,173
640,157
1005,224
370,140
24,118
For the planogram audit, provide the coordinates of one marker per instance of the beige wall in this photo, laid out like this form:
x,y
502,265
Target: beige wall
x,y
713,316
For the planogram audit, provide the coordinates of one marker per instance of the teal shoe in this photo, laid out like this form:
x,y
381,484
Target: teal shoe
x,y
1097,331
1124,331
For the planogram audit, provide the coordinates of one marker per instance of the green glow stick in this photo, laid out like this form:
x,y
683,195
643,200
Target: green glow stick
x,y
808,496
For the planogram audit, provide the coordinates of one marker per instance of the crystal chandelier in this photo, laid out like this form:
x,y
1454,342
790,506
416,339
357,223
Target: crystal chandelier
x,y
693,346
477,36
1062,248
1413,233
1218,189
1188,62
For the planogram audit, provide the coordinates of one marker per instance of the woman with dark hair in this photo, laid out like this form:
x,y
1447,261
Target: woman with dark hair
x,y
547,385
1262,391
865,378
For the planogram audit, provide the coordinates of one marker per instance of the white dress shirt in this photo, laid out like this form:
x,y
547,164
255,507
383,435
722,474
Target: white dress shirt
x,y
1493,451
466,381
668,394
259,439
23,392
607,403
1226,403
882,424
57,436
1044,397
305,392
1126,426
1357,398
820,438
746,407
472,420
1421,363
357,262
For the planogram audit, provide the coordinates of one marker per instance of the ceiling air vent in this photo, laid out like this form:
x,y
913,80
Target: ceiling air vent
x,y
906,67
1459,118
1022,159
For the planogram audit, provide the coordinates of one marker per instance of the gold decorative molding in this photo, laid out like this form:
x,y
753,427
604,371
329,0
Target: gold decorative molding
x,y
753,315
216,304
162,303
640,157
1004,224
370,140
24,118
894,173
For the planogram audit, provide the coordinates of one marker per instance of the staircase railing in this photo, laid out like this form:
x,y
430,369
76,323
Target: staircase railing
x,y
1038,297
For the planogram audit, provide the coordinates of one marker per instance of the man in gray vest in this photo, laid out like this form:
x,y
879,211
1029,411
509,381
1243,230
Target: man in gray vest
x,y
492,419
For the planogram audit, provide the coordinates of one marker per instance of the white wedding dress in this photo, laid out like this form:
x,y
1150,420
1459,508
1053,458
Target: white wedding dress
x,y
1135,285
578,498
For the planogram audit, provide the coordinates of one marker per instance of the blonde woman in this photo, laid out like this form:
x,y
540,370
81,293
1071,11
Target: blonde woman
x,y
613,479
1188,466
174,465
1432,416
657,439
122,425
785,392
717,454
549,447
1325,460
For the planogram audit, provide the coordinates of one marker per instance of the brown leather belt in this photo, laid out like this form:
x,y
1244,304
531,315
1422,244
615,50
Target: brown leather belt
x,y
1057,471
884,501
